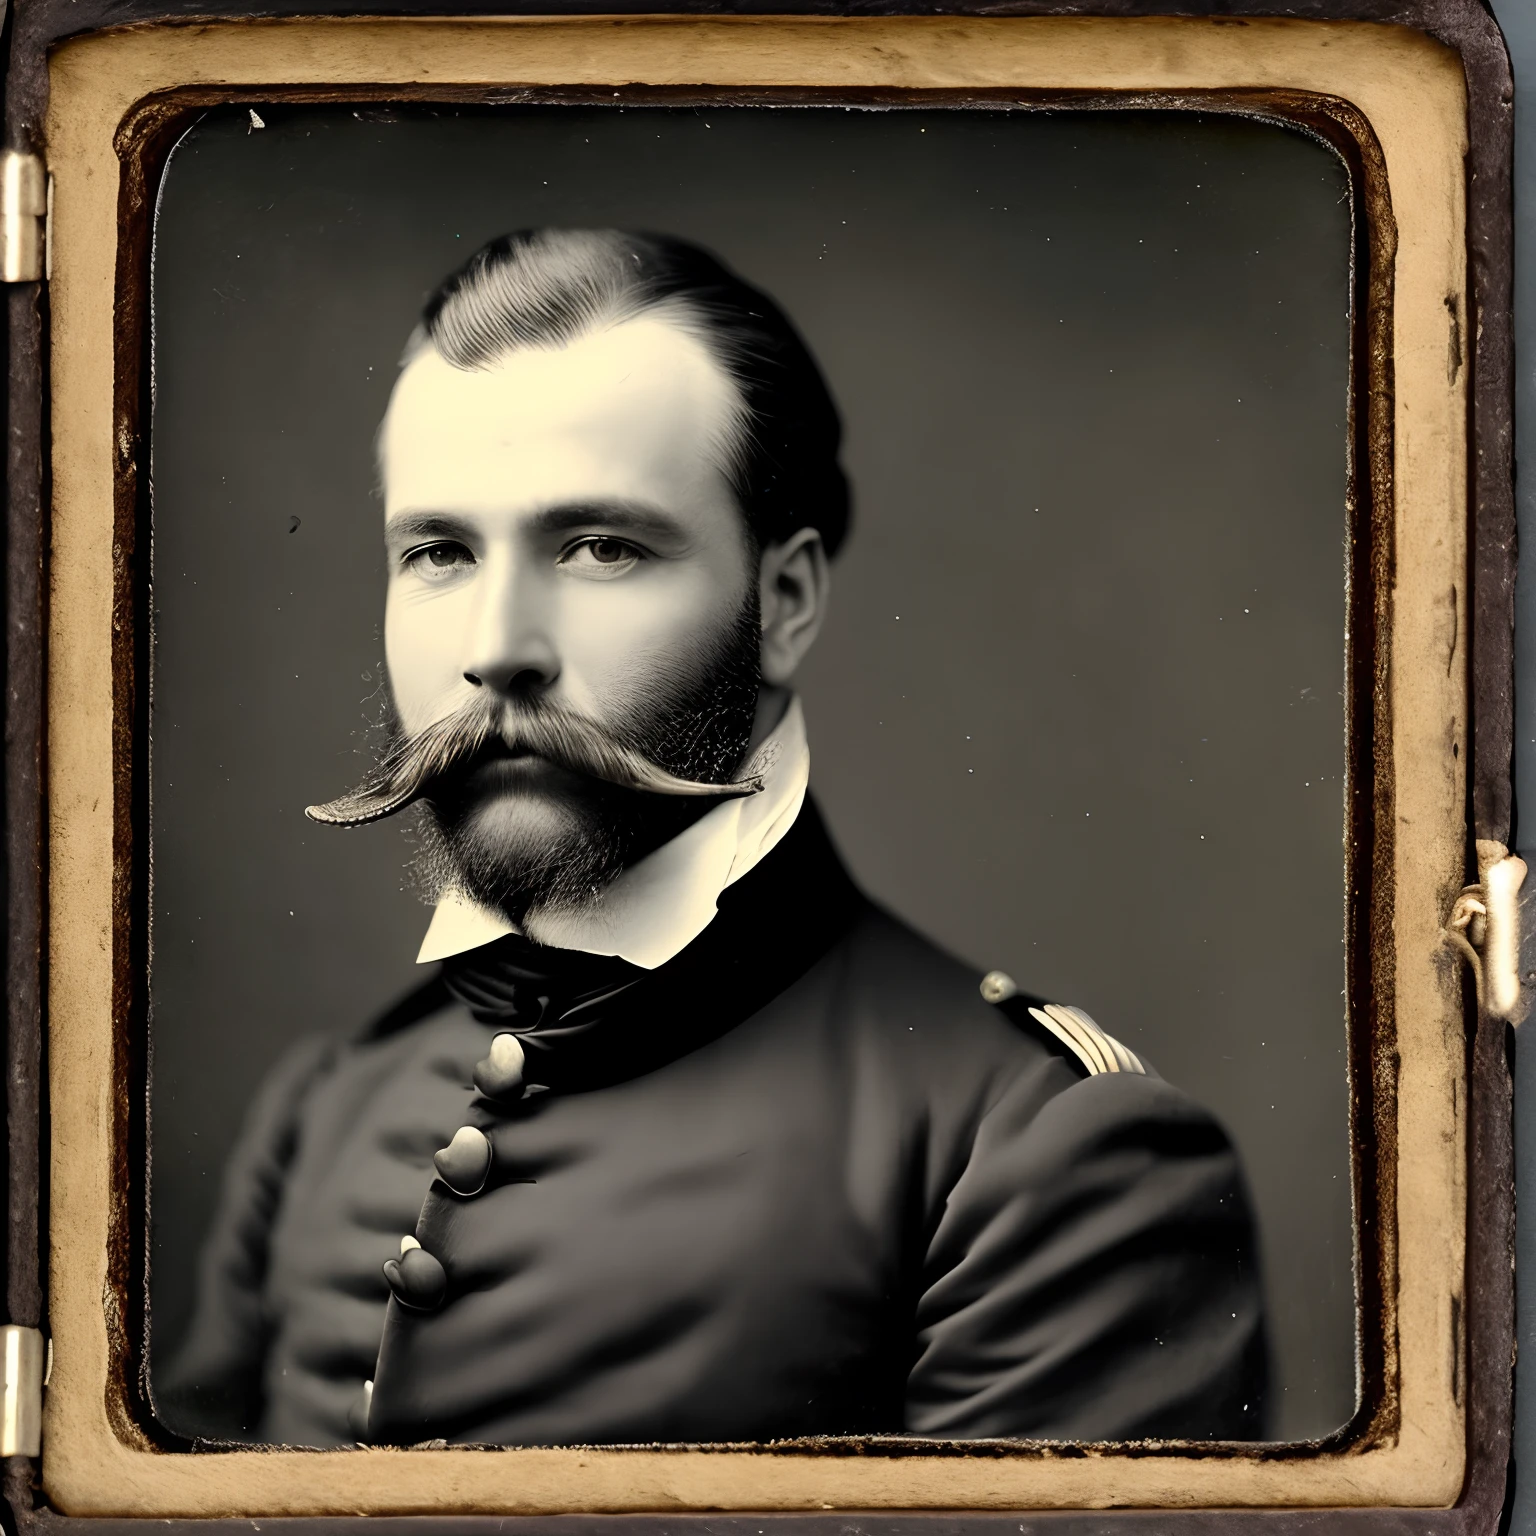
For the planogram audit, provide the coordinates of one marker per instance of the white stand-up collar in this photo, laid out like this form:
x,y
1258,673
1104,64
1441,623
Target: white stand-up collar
x,y
662,903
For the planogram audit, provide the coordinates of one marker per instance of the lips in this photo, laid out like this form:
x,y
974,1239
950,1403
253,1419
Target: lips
x,y
516,771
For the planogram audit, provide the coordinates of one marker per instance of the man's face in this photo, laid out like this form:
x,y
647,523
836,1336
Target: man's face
x,y
560,533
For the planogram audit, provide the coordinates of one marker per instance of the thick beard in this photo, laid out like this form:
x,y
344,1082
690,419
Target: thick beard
x,y
516,852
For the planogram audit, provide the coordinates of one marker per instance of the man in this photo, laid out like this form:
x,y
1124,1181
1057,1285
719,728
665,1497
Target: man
x,y
684,1139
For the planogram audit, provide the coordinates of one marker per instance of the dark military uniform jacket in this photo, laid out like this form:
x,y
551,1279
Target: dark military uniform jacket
x,y
802,1180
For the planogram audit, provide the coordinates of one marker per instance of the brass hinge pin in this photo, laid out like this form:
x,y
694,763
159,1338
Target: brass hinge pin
x,y
1484,926
22,1355
23,217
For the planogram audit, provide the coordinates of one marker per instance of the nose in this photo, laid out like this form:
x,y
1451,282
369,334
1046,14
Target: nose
x,y
511,649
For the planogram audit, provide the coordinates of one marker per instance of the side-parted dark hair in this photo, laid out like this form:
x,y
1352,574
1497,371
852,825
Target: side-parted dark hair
x,y
550,287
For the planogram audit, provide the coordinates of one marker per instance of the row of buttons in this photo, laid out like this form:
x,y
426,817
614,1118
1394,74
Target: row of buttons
x,y
417,1278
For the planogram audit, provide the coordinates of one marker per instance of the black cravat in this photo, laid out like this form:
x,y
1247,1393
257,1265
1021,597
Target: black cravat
x,y
524,987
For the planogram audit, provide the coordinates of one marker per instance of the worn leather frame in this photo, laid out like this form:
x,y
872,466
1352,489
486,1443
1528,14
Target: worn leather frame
x,y
1459,24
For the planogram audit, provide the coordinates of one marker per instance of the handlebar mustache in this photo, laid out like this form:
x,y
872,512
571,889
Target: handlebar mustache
x,y
413,764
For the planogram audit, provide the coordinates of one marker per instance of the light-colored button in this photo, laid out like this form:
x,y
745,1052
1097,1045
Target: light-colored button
x,y
500,1075
465,1163
417,1280
998,987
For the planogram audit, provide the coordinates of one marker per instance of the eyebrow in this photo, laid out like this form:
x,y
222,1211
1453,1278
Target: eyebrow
x,y
426,525
623,516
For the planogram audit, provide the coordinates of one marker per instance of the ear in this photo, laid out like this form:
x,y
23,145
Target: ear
x,y
793,585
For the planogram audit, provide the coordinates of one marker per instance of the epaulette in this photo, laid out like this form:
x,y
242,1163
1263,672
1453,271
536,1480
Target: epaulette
x,y
1096,1050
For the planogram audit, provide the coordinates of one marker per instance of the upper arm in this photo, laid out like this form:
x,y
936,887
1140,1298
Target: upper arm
x,y
210,1386
1093,1276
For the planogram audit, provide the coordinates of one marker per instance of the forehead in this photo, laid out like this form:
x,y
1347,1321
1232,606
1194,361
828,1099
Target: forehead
x,y
638,410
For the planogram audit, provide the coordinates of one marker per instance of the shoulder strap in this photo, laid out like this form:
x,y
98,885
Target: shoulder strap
x,y
1072,1027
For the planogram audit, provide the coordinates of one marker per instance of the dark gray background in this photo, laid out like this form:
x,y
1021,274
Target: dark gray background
x,y
1077,712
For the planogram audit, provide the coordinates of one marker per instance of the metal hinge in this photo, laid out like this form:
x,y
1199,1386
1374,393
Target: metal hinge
x,y
1484,926
24,197
24,1364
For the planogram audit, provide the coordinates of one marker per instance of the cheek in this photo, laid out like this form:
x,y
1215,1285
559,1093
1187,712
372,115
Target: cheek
x,y
622,636
421,653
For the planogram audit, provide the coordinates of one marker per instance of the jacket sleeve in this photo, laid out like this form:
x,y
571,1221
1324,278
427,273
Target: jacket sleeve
x,y
1093,1276
211,1384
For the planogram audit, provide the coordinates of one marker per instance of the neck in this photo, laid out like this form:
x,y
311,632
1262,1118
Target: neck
x,y
771,704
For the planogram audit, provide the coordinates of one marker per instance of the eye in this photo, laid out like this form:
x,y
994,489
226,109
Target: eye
x,y
600,556
438,562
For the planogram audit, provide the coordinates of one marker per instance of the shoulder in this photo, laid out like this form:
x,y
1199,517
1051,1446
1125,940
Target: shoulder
x,y
1119,1179
269,1130
1072,1029
312,1058
427,1034
287,1081
1130,1147
323,1076
907,984
1035,1112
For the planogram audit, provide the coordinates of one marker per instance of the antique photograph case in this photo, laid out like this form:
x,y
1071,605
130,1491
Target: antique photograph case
x,y
1063,670
758,738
